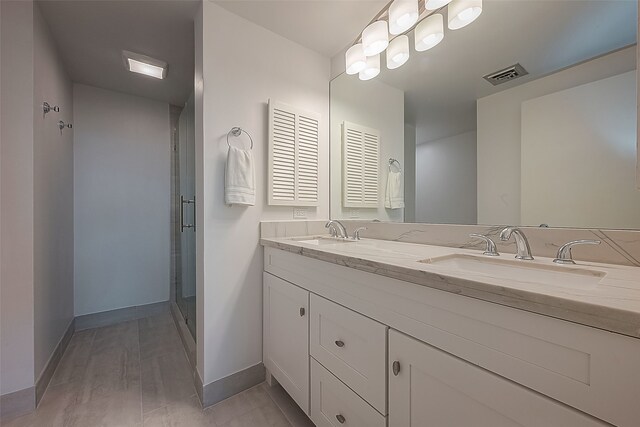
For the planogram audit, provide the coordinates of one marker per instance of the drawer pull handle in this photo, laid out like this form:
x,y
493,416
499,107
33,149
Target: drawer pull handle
x,y
340,343
340,419
302,311
396,368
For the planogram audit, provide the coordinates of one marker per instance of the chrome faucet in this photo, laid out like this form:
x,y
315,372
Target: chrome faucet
x,y
336,229
522,244
564,253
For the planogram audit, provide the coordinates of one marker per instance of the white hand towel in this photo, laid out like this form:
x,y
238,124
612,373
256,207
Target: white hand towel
x,y
394,197
239,178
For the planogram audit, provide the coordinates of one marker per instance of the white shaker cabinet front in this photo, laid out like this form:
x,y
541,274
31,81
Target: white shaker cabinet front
x,y
286,336
428,387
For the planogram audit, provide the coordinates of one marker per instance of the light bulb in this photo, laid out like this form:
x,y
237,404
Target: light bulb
x,y
355,59
463,12
429,32
398,52
435,4
375,38
403,14
372,69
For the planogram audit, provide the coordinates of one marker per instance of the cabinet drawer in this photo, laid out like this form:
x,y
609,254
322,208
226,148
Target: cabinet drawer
x,y
351,346
433,388
333,404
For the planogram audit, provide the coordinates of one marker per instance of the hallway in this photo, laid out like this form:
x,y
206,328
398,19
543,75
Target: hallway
x,y
136,373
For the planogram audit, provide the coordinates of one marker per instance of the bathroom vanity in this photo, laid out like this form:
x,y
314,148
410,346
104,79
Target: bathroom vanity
x,y
383,333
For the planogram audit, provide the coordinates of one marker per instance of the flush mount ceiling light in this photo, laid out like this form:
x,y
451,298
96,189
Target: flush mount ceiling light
x,y
375,38
137,63
398,18
398,52
403,14
429,32
463,12
372,69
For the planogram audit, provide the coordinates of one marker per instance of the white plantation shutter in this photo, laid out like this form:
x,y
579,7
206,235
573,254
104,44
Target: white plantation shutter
x,y
360,162
293,155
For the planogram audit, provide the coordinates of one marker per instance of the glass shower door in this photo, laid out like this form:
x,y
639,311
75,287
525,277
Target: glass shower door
x,y
186,283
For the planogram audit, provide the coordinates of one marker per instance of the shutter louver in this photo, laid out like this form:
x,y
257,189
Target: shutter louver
x,y
293,156
360,166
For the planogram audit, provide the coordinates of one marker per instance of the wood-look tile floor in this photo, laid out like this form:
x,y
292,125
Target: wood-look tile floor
x,y
137,374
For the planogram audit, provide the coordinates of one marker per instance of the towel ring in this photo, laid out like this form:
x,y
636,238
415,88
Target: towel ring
x,y
236,131
392,161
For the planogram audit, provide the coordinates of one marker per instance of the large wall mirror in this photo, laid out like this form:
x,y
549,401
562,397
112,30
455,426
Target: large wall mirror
x,y
550,142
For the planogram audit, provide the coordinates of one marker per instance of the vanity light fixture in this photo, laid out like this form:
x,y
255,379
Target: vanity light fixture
x,y
429,32
399,17
137,63
398,52
375,38
356,60
463,12
372,69
403,14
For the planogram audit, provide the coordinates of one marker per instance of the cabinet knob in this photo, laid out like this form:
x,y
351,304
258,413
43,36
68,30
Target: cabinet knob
x,y
340,343
340,418
396,368
302,311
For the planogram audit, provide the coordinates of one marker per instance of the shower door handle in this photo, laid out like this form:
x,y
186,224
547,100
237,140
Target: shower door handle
x,y
194,213
182,203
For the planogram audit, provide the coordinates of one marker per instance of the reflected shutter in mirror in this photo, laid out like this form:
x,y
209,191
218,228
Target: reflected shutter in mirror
x,y
360,160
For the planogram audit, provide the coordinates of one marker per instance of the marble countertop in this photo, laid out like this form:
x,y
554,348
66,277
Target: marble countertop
x,y
610,302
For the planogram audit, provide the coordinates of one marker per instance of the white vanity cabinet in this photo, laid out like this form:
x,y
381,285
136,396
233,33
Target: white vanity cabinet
x,y
462,361
286,336
428,387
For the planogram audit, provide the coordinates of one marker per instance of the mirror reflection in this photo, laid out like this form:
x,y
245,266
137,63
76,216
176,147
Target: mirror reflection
x,y
525,117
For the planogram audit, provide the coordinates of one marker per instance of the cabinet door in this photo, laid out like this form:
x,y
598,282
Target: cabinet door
x,y
286,337
433,388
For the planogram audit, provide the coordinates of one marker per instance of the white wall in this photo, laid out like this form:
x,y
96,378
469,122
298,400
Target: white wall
x,y
53,197
446,180
372,104
243,66
122,196
16,210
579,156
409,173
499,132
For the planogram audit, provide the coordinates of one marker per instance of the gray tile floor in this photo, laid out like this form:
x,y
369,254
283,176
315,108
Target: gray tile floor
x,y
137,374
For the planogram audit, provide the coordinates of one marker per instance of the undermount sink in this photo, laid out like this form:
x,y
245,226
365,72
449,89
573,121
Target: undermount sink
x,y
521,271
318,241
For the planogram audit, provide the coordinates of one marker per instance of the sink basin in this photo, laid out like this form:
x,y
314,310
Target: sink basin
x,y
521,271
319,241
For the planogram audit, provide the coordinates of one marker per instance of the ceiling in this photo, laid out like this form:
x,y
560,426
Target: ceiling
x,y
442,85
91,35
325,26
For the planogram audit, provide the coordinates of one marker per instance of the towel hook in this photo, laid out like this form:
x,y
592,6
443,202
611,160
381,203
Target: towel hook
x,y
392,161
236,131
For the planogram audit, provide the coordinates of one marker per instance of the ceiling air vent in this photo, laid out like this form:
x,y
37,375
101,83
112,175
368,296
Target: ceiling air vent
x,y
506,74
